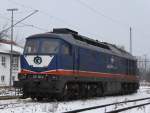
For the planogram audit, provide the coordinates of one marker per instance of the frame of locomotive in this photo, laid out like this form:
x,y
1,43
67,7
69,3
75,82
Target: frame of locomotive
x,y
81,67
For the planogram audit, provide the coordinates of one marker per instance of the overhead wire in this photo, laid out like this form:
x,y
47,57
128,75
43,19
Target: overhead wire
x,y
24,24
94,10
98,12
42,12
54,17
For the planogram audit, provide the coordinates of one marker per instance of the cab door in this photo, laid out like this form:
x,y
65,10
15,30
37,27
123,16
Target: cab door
x,y
76,59
66,57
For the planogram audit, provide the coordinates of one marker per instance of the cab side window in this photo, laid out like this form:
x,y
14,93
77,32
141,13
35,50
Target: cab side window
x,y
66,49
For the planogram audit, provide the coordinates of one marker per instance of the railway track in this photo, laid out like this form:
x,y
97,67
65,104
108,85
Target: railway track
x,y
9,97
112,105
13,104
128,108
9,105
107,108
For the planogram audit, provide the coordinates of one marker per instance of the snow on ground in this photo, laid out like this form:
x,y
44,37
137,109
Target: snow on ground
x,y
9,92
28,106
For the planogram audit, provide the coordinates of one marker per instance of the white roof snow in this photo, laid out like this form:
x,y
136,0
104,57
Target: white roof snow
x,y
6,48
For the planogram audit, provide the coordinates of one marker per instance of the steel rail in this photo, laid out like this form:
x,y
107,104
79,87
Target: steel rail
x,y
2,106
9,97
127,108
105,105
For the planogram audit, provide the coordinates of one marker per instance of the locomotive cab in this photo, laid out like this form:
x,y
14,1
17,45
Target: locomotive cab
x,y
42,45
40,62
45,52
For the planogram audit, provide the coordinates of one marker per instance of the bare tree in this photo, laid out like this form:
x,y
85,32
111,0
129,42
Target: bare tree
x,y
144,68
4,33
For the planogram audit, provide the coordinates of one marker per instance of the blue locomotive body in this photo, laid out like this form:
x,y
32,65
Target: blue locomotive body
x,y
65,64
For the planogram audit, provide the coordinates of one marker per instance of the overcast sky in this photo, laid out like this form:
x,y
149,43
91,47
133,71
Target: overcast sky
x,y
105,20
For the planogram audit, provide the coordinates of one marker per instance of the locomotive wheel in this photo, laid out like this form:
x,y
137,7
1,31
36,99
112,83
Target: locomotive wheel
x,y
93,90
99,91
82,90
39,98
70,91
32,97
65,93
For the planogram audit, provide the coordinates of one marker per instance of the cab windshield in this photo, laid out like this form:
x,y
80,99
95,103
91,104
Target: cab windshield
x,y
42,46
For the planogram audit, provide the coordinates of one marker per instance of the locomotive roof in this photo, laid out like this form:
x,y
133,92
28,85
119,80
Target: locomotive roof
x,y
74,38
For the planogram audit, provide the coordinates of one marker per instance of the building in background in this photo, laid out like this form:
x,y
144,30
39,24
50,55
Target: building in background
x,y
5,50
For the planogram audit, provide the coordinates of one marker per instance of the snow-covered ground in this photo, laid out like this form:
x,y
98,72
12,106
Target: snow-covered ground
x,y
9,92
28,106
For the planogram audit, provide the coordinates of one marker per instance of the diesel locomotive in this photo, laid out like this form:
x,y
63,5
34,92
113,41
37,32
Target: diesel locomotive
x,y
63,64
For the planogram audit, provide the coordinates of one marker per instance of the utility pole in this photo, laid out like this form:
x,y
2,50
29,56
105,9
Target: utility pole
x,y
145,62
11,53
19,21
130,40
12,25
